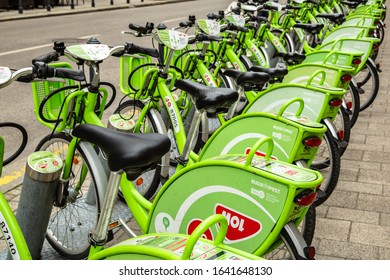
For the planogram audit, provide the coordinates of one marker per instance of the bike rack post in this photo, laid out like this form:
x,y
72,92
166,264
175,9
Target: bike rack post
x,y
20,7
43,170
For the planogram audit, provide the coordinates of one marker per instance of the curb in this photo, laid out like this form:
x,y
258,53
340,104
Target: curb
x,y
88,10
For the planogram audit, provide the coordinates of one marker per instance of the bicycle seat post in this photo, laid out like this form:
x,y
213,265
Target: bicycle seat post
x,y
191,137
98,237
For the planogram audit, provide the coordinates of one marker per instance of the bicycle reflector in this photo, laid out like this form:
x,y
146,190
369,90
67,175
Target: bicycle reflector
x,y
139,182
340,134
312,142
336,102
309,252
356,61
305,198
346,78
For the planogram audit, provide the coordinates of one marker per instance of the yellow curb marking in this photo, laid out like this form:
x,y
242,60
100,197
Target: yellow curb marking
x,y
11,177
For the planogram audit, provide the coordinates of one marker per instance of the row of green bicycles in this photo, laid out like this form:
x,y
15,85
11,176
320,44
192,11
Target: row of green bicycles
x,y
228,136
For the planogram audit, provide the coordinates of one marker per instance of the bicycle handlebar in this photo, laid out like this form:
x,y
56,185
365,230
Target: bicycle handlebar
x,y
41,70
47,58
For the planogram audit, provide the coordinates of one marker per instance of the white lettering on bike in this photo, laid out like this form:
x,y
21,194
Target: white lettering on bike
x,y
209,80
264,186
173,115
8,238
289,131
258,55
234,221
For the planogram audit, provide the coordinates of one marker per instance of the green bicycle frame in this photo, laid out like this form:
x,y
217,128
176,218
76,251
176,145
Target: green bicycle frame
x,y
17,246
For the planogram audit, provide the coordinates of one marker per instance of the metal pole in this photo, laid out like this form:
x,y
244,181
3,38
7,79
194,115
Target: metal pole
x,y
72,4
20,6
93,3
111,2
48,7
41,179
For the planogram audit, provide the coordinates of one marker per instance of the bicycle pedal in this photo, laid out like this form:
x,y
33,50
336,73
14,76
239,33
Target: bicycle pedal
x,y
114,224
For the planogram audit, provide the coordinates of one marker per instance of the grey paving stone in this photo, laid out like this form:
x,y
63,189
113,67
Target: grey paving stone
x,y
321,211
349,174
376,156
374,176
376,203
353,154
357,138
343,199
370,235
332,229
346,214
347,250
384,254
384,219
385,166
379,127
386,190
360,187
366,147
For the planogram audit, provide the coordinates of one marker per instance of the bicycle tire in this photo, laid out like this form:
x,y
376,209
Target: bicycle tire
x,y
288,42
22,145
70,224
288,249
352,95
328,162
225,82
381,31
148,182
309,225
343,122
371,79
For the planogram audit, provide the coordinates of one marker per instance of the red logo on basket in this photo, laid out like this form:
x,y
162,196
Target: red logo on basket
x,y
192,226
240,226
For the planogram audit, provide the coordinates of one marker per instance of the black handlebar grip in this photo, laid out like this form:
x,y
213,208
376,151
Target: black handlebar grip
x,y
214,16
133,49
138,28
206,37
73,74
47,58
232,27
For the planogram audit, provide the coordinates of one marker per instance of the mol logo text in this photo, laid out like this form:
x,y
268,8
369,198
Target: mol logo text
x,y
241,226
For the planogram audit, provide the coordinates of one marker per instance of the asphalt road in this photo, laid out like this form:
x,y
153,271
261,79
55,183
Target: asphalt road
x,y
23,40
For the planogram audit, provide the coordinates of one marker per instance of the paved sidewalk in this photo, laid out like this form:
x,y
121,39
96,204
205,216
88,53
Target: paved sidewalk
x,y
83,6
355,222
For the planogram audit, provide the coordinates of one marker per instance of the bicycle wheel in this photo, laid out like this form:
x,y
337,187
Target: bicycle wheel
x,y
327,161
367,81
342,125
8,131
224,82
294,240
285,39
148,182
352,104
380,31
70,223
